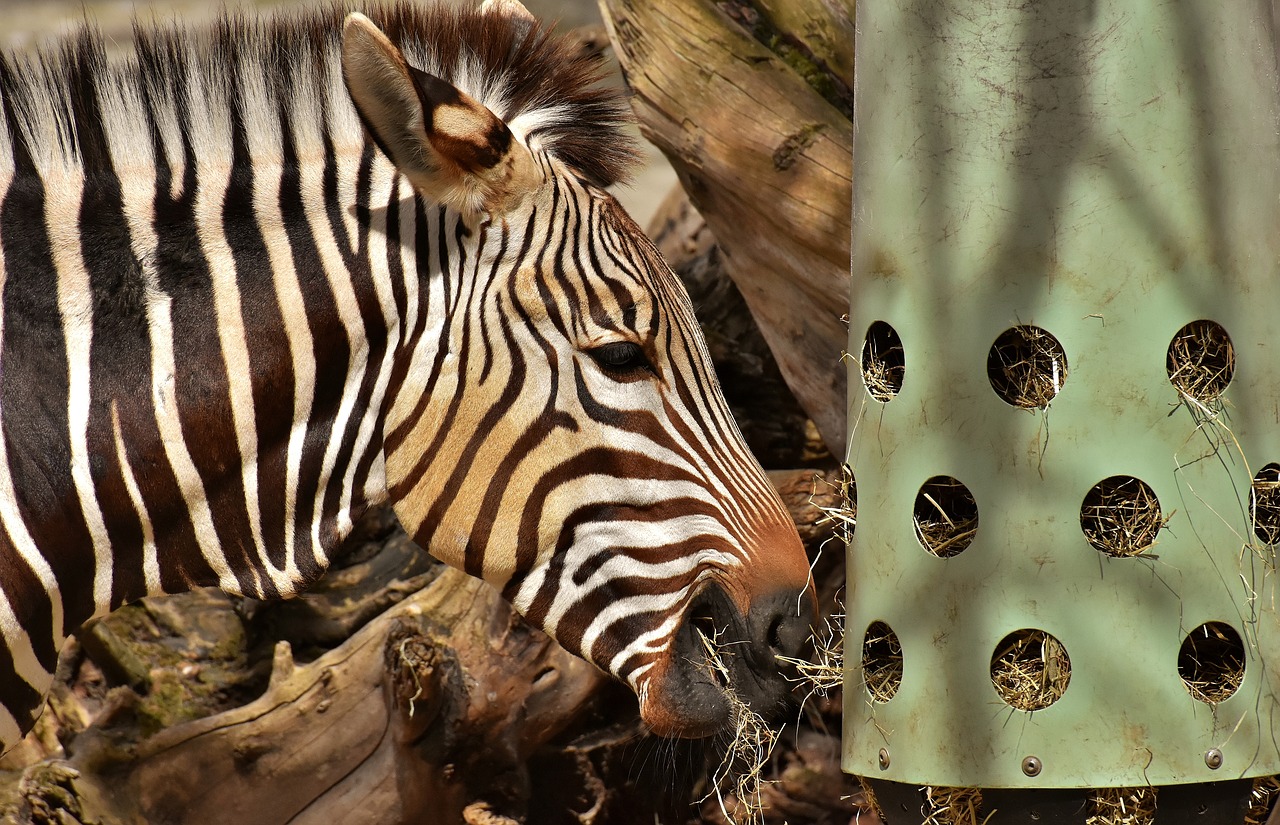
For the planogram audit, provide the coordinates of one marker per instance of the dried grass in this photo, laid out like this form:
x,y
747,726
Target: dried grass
x,y
881,662
826,672
953,806
1121,806
1262,799
1027,367
1211,662
1030,669
843,516
946,516
1121,516
1201,361
1264,504
884,362
738,782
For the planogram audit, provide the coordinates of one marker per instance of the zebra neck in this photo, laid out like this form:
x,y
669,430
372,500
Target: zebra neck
x,y
193,379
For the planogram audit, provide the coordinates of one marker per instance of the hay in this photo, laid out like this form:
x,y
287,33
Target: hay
x,y
1211,662
884,363
738,782
946,516
1262,799
881,662
1121,516
826,672
953,806
1264,504
1121,806
843,516
1201,361
1030,669
1027,367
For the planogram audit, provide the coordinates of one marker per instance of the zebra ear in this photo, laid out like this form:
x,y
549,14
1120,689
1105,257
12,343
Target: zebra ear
x,y
449,145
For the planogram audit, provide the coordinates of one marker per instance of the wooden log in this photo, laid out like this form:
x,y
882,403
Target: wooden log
x,y
751,102
426,714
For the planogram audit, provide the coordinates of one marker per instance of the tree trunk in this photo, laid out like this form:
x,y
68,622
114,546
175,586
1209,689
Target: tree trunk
x,y
751,101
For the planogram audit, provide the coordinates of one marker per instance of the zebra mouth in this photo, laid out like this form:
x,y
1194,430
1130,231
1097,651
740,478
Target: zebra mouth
x,y
718,666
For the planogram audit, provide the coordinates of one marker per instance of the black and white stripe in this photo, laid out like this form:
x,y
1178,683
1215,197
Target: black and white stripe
x,y
229,323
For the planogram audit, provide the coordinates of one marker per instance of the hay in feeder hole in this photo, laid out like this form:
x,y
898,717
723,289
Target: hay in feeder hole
x,y
1211,662
881,662
738,782
1264,504
1030,669
952,806
1121,806
884,363
1121,516
946,516
1027,367
1201,361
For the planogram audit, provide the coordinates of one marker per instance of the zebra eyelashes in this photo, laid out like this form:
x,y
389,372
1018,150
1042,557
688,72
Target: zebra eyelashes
x,y
622,359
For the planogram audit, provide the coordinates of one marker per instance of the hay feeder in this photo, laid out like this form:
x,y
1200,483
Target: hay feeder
x,y
1064,418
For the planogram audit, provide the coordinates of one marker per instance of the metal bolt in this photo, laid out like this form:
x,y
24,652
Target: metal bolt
x,y
884,759
1031,766
1213,758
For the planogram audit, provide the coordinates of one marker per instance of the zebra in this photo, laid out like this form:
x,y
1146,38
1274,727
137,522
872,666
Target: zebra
x,y
259,277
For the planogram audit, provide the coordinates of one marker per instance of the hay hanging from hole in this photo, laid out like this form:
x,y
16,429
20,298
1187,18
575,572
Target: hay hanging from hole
x,y
1121,806
842,516
1027,367
1121,516
884,363
946,516
1264,504
1261,799
1201,361
738,782
826,672
953,806
1030,669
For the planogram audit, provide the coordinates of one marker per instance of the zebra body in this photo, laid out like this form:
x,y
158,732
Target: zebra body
x,y
236,310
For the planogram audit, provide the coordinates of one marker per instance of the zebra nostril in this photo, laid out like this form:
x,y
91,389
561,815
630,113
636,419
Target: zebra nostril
x,y
774,635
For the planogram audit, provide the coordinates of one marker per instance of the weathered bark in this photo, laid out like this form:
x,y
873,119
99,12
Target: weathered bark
x,y
429,710
751,102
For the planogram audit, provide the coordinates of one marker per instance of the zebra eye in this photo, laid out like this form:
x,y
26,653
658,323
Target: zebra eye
x,y
620,357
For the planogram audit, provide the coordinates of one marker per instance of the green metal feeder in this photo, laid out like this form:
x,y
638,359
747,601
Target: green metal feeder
x,y
1065,414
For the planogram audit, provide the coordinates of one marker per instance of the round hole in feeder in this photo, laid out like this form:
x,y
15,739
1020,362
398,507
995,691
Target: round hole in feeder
x,y
1030,669
1211,662
946,516
1264,504
1201,360
1027,367
1121,516
881,662
884,363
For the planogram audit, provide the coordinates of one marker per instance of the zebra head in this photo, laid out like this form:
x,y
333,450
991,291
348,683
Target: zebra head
x,y
560,431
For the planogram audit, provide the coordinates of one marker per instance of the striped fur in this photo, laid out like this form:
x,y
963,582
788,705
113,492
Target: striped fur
x,y
229,324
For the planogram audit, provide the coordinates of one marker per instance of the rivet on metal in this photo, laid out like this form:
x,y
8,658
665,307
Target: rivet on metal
x,y
1031,766
1213,758
884,759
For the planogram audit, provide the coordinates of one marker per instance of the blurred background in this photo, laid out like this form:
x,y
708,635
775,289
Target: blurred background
x,y
25,24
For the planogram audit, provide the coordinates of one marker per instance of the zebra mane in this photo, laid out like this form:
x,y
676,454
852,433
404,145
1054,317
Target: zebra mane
x,y
70,106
